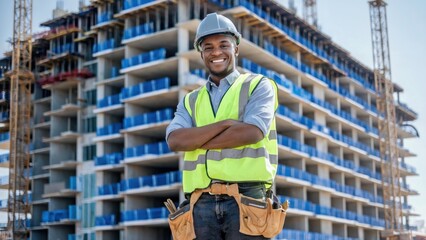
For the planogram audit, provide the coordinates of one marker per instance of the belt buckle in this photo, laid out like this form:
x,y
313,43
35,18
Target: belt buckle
x,y
214,187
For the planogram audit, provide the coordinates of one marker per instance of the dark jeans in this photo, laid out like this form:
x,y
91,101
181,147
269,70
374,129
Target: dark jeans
x,y
217,217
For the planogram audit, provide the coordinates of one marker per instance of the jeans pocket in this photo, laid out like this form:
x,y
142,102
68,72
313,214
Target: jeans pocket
x,y
182,224
253,191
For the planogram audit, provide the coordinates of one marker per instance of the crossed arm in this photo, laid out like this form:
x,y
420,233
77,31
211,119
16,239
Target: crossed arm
x,y
223,134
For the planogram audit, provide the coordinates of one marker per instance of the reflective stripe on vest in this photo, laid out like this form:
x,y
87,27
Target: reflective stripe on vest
x,y
254,162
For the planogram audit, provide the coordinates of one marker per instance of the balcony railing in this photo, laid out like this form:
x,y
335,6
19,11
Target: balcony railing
x,y
105,45
145,87
333,212
104,17
148,118
115,72
109,101
300,92
134,3
140,30
4,116
154,55
408,109
109,129
4,136
109,189
407,167
253,67
144,214
82,73
151,181
106,220
109,159
313,152
311,124
59,31
59,215
203,74
4,157
56,187
157,148
290,234
315,180
66,48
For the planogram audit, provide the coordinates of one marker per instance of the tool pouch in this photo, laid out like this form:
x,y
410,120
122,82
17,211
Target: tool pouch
x,y
276,218
259,217
182,224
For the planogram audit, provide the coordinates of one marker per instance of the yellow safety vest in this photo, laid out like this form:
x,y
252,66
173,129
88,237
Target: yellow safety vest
x,y
250,163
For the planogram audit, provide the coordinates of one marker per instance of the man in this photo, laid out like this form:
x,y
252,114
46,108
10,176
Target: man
x,y
227,131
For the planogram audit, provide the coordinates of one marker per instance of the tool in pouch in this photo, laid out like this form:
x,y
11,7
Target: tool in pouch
x,y
257,217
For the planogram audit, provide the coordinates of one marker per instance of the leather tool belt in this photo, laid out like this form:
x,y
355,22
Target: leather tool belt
x,y
257,217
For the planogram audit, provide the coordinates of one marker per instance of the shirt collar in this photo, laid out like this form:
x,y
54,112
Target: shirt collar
x,y
230,79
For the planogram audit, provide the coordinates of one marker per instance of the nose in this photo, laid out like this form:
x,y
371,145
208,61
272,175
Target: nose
x,y
216,51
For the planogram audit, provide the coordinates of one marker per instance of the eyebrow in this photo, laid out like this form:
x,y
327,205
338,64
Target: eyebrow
x,y
223,41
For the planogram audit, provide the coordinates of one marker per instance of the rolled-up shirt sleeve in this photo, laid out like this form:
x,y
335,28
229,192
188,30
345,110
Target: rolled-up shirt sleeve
x,y
260,108
182,119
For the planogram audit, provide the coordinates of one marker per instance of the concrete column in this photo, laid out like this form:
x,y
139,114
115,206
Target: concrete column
x,y
297,80
183,11
326,227
318,92
183,63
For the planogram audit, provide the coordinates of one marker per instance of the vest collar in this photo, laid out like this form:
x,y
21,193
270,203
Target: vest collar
x,y
230,79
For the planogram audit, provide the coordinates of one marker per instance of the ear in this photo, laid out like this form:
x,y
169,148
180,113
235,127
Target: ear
x,y
237,51
201,54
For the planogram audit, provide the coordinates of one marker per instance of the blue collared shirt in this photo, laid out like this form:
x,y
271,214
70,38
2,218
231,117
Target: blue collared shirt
x,y
259,110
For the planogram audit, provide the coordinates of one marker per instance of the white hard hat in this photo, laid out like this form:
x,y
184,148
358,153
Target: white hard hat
x,y
212,24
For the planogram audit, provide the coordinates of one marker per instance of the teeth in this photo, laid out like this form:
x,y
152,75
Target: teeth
x,y
219,60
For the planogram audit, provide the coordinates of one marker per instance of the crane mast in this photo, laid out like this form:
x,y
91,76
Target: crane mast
x,y
387,124
310,12
20,132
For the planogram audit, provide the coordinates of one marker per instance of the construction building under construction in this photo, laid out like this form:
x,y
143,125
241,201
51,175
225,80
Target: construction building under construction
x,y
109,77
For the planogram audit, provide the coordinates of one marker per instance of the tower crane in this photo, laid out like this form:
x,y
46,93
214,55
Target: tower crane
x,y
310,12
387,125
20,116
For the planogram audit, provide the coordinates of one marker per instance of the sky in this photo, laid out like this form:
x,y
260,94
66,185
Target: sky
x,y
348,24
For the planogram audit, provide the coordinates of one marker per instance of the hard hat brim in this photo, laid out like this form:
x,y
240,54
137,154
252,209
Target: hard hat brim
x,y
224,31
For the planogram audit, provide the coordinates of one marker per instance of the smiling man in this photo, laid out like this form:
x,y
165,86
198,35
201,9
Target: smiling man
x,y
227,131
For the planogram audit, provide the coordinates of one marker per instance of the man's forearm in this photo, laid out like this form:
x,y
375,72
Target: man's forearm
x,y
188,139
235,136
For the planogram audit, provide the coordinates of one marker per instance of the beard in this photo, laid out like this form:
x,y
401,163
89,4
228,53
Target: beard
x,y
222,73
